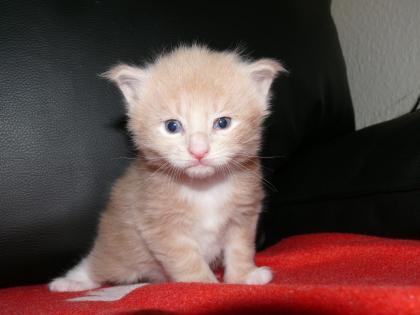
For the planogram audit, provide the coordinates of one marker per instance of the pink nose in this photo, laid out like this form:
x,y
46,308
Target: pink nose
x,y
198,154
198,146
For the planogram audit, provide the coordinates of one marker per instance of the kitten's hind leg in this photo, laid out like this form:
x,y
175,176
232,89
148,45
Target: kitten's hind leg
x,y
76,279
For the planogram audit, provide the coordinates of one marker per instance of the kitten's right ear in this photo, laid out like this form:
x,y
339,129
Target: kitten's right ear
x,y
129,79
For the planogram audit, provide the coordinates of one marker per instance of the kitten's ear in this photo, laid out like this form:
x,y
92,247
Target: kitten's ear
x,y
263,72
129,79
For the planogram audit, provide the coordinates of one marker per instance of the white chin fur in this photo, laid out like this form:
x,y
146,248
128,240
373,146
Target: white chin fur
x,y
200,171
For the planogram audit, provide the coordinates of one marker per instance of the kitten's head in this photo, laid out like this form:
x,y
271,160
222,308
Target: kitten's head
x,y
195,110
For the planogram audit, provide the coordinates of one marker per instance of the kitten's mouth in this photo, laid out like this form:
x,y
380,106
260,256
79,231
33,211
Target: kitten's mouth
x,y
200,170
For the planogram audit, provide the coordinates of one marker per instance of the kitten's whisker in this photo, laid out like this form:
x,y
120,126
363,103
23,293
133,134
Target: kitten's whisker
x,y
266,182
262,157
229,171
124,158
162,167
217,154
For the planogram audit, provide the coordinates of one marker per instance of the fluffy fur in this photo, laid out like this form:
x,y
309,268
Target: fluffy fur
x,y
173,216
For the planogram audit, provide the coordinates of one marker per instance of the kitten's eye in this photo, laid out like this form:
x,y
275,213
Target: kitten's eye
x,y
173,126
222,123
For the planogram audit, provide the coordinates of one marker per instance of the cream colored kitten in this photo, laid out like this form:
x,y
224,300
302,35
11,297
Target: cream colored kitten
x,y
194,195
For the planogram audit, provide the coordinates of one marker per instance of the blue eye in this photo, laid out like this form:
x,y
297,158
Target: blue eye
x,y
173,126
222,123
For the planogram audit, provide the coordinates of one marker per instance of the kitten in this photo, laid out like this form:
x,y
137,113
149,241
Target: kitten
x,y
193,196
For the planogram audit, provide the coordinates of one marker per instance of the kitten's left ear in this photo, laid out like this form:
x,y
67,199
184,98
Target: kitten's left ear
x,y
129,79
263,72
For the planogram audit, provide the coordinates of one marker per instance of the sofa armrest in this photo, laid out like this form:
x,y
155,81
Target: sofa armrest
x,y
367,182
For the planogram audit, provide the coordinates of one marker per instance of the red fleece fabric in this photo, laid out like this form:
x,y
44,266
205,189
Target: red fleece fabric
x,y
314,274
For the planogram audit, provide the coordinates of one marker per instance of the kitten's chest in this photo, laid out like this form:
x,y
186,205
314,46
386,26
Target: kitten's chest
x,y
211,212
210,205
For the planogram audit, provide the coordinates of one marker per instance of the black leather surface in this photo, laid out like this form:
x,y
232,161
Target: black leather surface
x,y
366,182
62,141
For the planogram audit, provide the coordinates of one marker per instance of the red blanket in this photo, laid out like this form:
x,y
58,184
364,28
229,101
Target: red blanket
x,y
314,274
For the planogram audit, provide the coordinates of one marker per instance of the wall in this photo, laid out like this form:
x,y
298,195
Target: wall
x,y
381,46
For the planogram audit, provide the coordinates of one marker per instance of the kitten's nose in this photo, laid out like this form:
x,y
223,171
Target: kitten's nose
x,y
199,145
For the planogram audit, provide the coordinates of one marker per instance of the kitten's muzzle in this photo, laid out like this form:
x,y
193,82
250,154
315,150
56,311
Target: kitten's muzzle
x,y
198,145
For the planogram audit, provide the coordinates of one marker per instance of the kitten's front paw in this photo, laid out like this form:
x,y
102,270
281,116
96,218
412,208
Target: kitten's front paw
x,y
262,275
68,285
258,276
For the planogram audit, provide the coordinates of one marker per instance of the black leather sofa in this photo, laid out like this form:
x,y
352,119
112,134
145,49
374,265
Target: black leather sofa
x,y
63,139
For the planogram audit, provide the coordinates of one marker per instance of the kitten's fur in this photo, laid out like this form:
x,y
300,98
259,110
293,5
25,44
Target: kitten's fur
x,y
170,217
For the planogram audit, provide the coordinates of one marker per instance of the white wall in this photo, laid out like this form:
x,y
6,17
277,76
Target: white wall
x,y
381,45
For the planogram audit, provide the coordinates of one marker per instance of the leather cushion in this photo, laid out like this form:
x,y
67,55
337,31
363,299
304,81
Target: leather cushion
x,y
365,182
